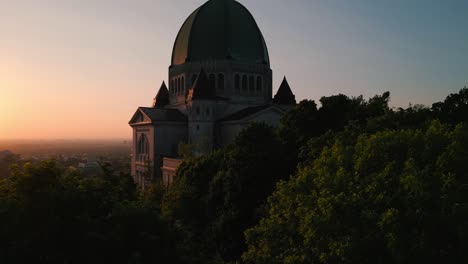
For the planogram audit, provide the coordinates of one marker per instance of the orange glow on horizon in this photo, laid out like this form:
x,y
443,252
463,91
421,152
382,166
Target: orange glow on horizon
x,y
41,107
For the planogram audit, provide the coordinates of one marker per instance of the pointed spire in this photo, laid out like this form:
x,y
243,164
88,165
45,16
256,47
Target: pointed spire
x,y
202,88
284,95
162,98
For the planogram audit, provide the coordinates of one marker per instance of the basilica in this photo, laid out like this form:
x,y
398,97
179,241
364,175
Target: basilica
x,y
219,81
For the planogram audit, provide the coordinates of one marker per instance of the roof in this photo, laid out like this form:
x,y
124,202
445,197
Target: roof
x,y
245,113
284,95
220,30
163,114
162,98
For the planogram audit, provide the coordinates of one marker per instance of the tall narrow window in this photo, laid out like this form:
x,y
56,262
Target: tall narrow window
x,y
194,78
146,147
237,83
220,81
172,86
252,84
179,86
143,145
183,86
212,80
244,83
142,149
259,84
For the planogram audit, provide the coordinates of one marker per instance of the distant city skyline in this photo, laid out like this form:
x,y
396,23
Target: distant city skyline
x,y
72,69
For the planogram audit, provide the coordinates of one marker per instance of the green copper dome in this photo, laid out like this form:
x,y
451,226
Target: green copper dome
x,y
220,30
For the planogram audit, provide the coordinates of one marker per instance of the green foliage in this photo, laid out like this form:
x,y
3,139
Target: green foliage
x,y
217,196
185,150
307,121
454,109
412,117
48,215
389,197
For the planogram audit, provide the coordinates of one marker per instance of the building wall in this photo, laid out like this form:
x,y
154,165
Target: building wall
x,y
229,70
201,131
168,136
169,169
140,167
271,118
163,139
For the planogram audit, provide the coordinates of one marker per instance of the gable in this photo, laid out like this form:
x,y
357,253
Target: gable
x,y
149,115
139,118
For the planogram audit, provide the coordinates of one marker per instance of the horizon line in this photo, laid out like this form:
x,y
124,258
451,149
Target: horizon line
x,y
64,139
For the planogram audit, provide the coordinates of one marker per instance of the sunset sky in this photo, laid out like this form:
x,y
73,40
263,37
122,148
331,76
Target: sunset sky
x,y
78,69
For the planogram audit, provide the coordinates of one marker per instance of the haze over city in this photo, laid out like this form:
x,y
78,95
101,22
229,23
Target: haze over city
x,y
77,69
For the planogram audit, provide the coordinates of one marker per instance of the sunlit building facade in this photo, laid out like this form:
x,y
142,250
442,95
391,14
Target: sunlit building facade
x,y
220,81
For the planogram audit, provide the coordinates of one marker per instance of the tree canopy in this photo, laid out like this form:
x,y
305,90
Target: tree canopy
x,y
49,215
388,197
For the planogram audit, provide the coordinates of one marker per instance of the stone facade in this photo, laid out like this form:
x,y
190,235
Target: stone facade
x,y
168,169
220,81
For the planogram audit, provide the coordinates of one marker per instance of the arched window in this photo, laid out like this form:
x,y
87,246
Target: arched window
x,y
172,86
183,86
177,86
143,145
194,78
244,83
237,83
142,149
259,84
252,84
220,81
212,80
